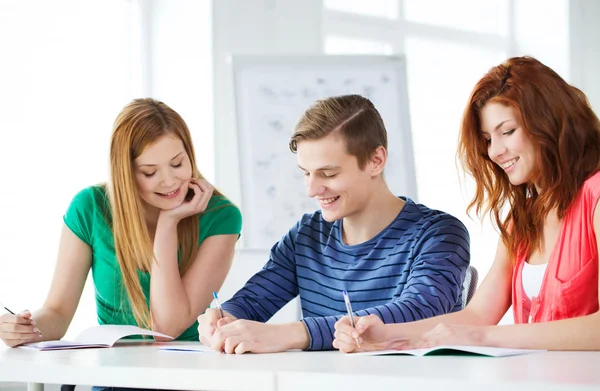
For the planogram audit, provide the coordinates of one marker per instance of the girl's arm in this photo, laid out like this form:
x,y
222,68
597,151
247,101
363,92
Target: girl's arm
x,y
72,267
176,301
582,333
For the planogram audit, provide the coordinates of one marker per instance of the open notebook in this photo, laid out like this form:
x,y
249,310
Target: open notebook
x,y
104,336
452,350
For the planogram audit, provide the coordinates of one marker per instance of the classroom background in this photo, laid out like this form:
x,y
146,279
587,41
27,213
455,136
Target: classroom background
x,y
68,67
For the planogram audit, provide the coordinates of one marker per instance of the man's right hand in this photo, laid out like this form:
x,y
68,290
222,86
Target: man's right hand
x,y
209,322
18,329
370,332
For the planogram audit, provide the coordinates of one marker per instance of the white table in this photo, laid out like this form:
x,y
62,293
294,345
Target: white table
x,y
143,366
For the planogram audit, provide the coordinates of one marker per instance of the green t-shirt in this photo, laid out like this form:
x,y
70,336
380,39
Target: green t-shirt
x,y
88,217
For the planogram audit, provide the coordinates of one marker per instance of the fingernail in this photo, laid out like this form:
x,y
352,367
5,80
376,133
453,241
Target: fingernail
x,y
354,335
33,322
37,331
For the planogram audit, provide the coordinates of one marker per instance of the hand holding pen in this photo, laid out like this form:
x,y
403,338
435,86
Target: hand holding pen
x,y
350,315
17,329
211,320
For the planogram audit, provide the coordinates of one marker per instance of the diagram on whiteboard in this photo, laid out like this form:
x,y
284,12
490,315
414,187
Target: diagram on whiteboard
x,y
271,95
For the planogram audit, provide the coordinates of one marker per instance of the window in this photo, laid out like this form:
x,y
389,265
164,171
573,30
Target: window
x,y
448,47
377,8
67,71
68,68
483,17
341,45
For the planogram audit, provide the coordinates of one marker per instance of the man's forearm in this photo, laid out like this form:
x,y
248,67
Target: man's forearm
x,y
296,335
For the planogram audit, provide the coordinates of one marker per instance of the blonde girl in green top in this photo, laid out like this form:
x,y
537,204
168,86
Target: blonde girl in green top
x,y
158,238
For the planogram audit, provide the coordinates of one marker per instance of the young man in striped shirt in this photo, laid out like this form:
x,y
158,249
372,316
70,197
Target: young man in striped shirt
x,y
397,259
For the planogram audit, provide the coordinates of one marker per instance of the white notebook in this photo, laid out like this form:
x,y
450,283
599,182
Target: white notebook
x,y
453,350
104,336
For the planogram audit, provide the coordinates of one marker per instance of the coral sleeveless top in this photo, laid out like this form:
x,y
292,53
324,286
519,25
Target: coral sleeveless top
x,y
570,285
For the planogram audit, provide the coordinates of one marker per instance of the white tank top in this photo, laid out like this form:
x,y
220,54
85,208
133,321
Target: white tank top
x,y
532,278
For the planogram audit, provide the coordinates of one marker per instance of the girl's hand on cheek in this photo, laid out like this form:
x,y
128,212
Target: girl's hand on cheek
x,y
202,192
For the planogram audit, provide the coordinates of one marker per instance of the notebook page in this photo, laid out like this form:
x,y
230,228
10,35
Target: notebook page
x,y
103,336
109,334
453,350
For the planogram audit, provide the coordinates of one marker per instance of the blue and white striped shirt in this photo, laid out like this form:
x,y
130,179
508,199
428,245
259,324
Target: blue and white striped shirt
x,y
413,269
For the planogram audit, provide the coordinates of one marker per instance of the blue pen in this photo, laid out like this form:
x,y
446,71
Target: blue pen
x,y
349,309
218,304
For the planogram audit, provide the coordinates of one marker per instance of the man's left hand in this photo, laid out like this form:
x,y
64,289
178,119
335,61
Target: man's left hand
x,y
246,336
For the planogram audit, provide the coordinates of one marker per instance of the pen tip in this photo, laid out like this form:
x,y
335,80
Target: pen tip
x,y
215,295
344,292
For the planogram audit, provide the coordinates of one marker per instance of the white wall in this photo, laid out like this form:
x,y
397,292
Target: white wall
x,y
543,35
179,67
584,17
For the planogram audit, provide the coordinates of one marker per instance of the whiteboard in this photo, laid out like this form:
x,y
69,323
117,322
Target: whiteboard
x,y
271,93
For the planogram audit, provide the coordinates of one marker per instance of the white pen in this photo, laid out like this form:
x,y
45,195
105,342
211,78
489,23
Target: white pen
x,y
35,329
218,304
349,309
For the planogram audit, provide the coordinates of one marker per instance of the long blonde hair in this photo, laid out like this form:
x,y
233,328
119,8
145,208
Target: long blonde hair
x,y
141,123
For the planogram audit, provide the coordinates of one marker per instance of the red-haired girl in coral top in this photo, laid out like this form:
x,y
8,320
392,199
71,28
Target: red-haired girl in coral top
x,y
532,143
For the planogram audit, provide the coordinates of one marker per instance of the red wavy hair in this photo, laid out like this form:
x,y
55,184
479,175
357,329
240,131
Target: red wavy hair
x,y
565,132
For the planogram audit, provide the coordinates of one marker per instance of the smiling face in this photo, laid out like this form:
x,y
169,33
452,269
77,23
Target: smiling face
x,y
508,145
161,173
333,178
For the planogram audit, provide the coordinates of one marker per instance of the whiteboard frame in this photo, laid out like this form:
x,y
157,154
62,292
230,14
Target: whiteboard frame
x,y
242,62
